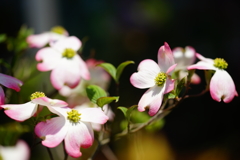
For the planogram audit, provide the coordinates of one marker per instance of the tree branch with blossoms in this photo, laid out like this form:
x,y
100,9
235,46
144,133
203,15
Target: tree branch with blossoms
x,y
79,109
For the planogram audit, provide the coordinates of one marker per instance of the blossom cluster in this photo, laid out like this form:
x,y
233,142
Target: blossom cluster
x,y
75,119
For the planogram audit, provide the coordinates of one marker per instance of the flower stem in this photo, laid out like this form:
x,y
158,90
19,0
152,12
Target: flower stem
x,y
50,153
65,153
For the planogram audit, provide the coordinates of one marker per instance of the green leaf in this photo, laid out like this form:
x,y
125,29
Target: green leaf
x,y
3,37
171,96
120,69
208,76
190,74
106,100
124,110
180,86
94,92
109,68
155,126
129,112
139,117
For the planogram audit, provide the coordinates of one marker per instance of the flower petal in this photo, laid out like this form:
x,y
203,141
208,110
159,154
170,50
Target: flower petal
x,y
170,69
79,135
20,112
52,131
169,85
68,42
165,57
222,87
83,67
95,115
45,101
208,60
195,79
145,77
189,56
10,82
2,96
202,65
152,98
20,151
38,40
50,59
65,74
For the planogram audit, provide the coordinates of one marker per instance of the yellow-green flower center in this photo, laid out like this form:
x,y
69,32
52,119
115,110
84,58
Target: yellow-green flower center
x,y
37,95
68,53
220,63
160,79
58,29
74,116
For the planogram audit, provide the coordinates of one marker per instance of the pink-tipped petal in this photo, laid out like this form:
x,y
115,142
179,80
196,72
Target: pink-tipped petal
x,y
95,115
20,112
52,131
83,68
208,60
222,87
170,69
79,135
2,96
169,85
66,74
10,82
50,59
38,40
202,65
45,101
165,57
68,42
147,72
152,98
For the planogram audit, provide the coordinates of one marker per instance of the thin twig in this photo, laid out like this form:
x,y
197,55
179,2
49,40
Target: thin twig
x,y
50,153
65,153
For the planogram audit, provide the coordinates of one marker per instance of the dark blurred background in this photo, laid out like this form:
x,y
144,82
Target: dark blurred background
x,y
116,31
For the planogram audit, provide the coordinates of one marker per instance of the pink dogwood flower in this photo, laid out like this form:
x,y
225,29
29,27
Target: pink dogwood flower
x,y
41,40
73,126
184,58
66,65
221,86
20,151
98,77
9,82
156,77
22,112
